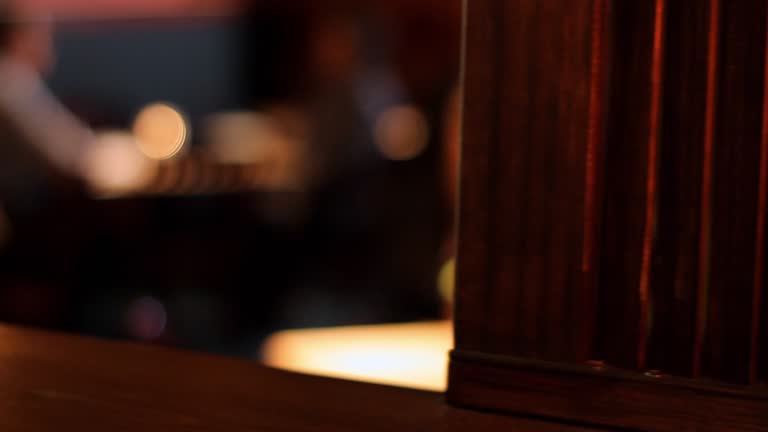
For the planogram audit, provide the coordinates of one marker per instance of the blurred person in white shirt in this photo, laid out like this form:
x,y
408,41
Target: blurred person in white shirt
x,y
41,143
43,223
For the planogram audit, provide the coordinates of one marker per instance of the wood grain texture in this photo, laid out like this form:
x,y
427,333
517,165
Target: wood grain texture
x,y
622,204
480,109
55,382
760,238
528,111
705,226
675,268
735,190
604,396
628,207
594,178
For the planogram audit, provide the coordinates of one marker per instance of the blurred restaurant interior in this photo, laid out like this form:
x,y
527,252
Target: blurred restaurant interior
x,y
245,168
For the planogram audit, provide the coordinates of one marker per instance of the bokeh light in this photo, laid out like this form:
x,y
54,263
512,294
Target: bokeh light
x,y
241,137
114,165
402,133
146,319
409,355
161,131
446,281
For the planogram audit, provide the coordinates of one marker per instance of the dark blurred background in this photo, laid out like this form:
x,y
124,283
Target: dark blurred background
x,y
310,188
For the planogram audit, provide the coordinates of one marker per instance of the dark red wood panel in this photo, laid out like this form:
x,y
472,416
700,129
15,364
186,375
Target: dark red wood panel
x,y
480,114
736,158
675,267
758,367
632,125
616,220
609,398
528,103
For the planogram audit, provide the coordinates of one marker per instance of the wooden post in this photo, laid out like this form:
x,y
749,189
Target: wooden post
x,y
613,210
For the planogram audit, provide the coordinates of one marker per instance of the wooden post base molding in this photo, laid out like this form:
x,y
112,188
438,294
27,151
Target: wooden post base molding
x,y
598,396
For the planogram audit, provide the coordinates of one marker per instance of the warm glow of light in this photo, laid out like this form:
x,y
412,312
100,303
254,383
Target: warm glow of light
x,y
407,355
271,146
242,137
161,131
114,166
446,280
402,133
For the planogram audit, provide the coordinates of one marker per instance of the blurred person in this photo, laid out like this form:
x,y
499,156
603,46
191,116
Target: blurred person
x,y
41,142
41,145
355,83
372,237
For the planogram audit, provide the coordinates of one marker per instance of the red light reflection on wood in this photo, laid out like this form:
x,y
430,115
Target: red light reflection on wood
x,y
705,241
651,202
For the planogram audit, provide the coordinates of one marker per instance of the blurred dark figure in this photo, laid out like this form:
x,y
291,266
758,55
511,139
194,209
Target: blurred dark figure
x,y
372,244
41,145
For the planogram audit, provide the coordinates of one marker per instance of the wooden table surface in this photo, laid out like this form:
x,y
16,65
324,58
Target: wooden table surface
x,y
53,382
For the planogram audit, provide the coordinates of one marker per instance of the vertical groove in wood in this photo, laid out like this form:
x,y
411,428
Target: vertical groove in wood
x,y
625,184
762,201
594,140
584,342
706,186
736,158
675,253
651,206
